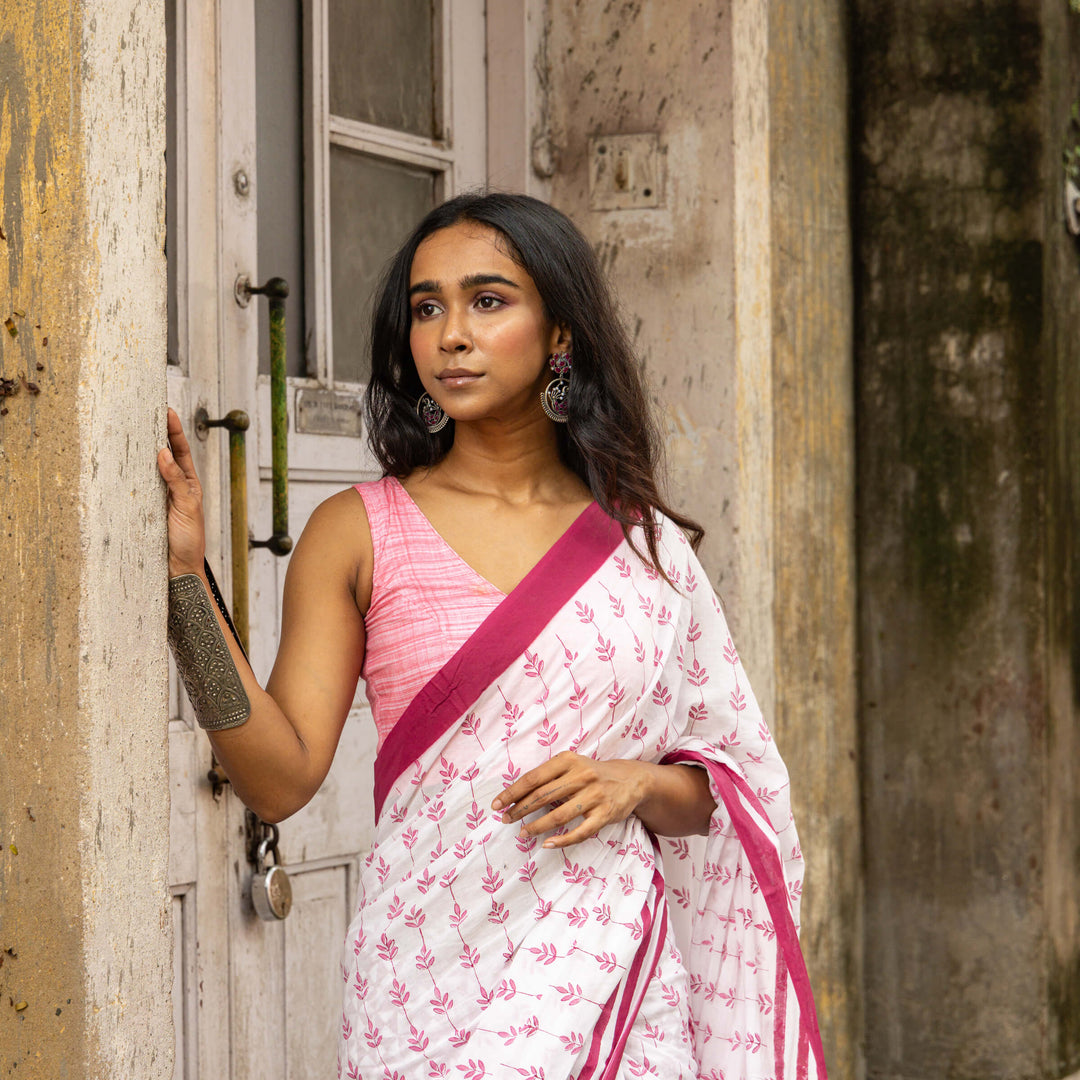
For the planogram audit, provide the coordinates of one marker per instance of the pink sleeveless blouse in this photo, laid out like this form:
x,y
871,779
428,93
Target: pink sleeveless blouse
x,y
426,601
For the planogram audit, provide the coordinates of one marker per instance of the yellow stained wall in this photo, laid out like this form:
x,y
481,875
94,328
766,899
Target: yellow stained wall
x,y
42,1005
85,940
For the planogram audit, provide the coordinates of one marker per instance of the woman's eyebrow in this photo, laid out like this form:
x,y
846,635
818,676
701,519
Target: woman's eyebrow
x,y
470,281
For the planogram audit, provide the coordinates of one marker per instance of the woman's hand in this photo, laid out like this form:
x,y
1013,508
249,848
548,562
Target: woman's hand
x,y
672,800
187,533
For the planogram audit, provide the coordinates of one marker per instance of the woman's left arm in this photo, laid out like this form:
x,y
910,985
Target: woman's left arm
x,y
670,800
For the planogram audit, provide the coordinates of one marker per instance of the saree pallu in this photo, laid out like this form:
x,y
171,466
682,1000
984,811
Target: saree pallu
x,y
478,953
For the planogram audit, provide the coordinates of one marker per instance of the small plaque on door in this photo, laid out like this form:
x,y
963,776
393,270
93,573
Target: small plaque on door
x,y
328,412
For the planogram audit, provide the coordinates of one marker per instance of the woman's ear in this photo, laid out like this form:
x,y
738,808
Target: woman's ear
x,y
560,339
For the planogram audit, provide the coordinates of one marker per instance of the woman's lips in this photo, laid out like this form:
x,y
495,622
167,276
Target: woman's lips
x,y
457,377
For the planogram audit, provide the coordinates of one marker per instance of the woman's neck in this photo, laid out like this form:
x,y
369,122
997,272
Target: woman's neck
x,y
518,463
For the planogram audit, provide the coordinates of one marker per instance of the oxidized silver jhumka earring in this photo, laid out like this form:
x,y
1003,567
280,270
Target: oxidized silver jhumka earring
x,y
430,412
555,399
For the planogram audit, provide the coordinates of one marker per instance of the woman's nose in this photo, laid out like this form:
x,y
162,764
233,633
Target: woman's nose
x,y
455,335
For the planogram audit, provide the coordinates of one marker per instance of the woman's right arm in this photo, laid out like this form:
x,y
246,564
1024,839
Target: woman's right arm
x,y
279,756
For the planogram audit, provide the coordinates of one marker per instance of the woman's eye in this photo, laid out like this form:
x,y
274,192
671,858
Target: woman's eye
x,y
487,303
426,308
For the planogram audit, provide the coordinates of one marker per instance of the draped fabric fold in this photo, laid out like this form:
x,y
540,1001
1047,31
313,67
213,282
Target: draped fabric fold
x,y
477,953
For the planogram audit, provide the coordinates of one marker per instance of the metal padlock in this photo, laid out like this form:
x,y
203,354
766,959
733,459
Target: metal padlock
x,y
271,891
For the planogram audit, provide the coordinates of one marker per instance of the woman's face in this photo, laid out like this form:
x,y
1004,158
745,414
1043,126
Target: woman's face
x,y
479,335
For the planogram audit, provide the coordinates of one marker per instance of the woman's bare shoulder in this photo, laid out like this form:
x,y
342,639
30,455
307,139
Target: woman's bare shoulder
x,y
337,541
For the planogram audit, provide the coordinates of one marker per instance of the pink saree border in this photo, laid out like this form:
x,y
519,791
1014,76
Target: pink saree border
x,y
769,873
497,641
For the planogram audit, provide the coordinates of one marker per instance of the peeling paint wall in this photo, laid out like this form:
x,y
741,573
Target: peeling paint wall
x,y
737,290
957,194
84,929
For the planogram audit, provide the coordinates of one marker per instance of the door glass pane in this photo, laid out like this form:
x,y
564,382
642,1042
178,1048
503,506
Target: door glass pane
x,y
382,63
374,205
279,172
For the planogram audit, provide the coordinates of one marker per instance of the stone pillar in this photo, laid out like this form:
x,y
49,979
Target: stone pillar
x,y
85,934
967,437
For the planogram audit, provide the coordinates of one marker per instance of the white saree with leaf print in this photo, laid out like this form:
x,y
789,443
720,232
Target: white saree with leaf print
x,y
475,953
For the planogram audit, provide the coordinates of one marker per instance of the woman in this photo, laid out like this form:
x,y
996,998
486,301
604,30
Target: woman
x,y
554,686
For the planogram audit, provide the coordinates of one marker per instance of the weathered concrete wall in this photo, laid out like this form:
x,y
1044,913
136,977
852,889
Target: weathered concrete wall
x,y
86,974
1061,322
951,362
738,291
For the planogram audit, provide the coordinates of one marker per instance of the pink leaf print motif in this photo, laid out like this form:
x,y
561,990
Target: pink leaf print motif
x,y
693,631
548,733
574,1042
469,956
671,996
623,565
639,649
346,1027
604,649
387,948
415,918
534,665
641,1068
437,1069
360,985
584,612
661,696
543,909
475,817
425,961
534,1072
441,1003
492,881
664,617
577,916
546,953
462,848
475,1070
617,608
372,1036
353,1073
395,908
498,914
730,655
697,675
418,1041
571,993
409,837
398,994
448,771
616,695
578,698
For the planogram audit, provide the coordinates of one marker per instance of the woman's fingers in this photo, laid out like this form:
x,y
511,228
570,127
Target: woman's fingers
x,y
187,537
181,449
526,791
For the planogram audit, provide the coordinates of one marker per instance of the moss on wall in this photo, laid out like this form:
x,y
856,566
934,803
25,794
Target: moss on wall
x,y
952,360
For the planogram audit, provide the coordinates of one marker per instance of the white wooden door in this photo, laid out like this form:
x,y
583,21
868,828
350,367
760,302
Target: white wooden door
x,y
307,137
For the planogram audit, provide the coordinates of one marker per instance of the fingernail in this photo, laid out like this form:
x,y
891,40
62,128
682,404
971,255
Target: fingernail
x,y
505,819
497,804
548,844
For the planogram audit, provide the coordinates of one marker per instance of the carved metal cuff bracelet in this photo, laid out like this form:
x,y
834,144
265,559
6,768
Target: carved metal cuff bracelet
x,y
203,658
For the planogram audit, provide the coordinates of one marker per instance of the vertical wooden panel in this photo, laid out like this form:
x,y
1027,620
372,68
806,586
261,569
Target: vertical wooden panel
x,y
813,422
313,940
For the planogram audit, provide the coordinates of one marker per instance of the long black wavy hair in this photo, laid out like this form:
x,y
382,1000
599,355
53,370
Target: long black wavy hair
x,y
610,439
